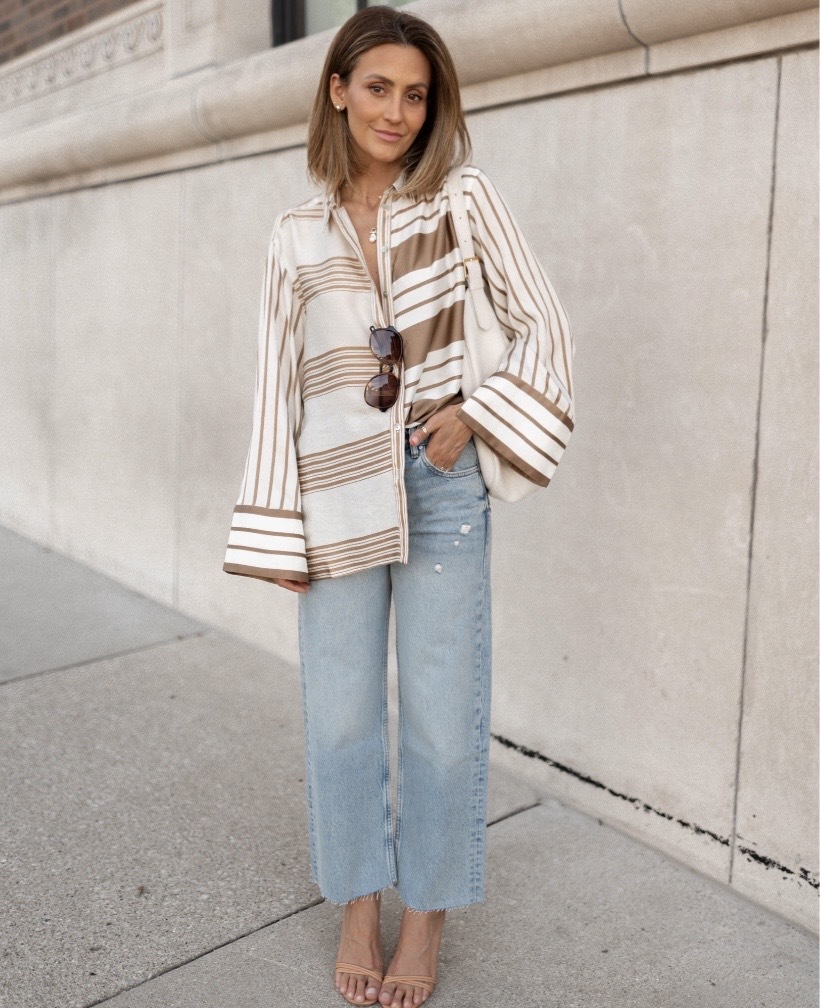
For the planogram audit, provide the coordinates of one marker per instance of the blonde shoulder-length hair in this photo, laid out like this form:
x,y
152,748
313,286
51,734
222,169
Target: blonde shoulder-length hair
x,y
443,140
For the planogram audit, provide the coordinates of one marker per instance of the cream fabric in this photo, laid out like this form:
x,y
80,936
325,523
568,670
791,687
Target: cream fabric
x,y
323,489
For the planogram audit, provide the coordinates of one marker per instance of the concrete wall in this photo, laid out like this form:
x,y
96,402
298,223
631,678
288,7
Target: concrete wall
x,y
656,637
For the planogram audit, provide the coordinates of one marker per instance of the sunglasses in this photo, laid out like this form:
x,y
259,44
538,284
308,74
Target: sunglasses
x,y
382,390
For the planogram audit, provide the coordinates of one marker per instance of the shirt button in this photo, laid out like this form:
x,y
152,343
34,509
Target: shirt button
x,y
397,427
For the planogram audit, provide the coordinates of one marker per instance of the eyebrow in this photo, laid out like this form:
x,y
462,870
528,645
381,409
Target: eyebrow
x,y
379,76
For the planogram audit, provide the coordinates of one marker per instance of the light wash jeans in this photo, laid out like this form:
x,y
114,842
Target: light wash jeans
x,y
436,854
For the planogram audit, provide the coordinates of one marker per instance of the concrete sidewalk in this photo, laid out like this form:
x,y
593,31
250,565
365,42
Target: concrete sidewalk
x,y
153,842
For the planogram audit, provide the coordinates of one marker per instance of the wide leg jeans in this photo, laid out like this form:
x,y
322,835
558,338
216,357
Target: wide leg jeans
x,y
432,846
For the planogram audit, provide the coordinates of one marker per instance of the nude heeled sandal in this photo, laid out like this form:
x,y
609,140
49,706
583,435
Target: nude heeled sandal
x,y
343,967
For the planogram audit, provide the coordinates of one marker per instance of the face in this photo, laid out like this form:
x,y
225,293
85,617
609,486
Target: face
x,y
386,101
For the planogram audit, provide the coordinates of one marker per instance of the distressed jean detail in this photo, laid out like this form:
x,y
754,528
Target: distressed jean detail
x,y
435,852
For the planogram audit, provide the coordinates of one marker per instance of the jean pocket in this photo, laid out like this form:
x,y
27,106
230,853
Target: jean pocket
x,y
465,465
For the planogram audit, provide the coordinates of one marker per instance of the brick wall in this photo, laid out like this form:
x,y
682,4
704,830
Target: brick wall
x,y
27,24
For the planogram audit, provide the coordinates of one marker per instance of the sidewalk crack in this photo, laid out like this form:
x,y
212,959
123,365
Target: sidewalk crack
x,y
206,952
138,649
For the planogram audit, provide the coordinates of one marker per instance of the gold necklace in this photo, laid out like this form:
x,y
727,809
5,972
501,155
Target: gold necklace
x,y
372,236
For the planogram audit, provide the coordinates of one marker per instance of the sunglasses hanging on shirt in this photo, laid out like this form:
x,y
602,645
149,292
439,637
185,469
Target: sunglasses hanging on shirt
x,y
382,390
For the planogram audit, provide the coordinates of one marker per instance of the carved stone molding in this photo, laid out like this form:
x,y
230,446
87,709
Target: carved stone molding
x,y
121,39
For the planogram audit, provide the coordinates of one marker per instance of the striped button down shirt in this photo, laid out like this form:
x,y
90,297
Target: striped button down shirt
x,y
323,488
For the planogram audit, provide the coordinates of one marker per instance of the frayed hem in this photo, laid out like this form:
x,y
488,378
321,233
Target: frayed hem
x,y
461,906
357,899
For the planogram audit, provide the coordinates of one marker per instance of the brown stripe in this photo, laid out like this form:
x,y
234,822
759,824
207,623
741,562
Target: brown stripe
x,y
361,473
423,409
255,531
434,385
534,280
263,573
401,222
337,369
503,420
314,270
263,369
346,446
434,333
313,210
349,463
523,413
268,552
348,547
353,378
504,451
548,404
370,453
253,509
418,251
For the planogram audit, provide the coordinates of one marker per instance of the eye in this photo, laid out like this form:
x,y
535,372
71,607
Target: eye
x,y
415,97
377,89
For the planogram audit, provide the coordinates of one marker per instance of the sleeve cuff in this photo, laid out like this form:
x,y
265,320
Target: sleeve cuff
x,y
266,544
520,424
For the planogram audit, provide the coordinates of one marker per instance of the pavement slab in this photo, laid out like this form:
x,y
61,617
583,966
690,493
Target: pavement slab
x,y
153,809
54,612
153,842
576,916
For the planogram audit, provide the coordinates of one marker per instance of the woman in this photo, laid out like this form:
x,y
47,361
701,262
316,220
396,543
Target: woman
x,y
362,484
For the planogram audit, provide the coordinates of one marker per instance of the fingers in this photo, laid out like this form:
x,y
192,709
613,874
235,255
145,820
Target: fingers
x,y
442,419
426,429
300,587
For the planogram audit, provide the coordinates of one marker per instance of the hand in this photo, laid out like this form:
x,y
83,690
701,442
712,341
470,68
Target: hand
x,y
447,436
301,587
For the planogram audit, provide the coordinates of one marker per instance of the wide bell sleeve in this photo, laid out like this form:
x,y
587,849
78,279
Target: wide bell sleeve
x,y
525,411
267,538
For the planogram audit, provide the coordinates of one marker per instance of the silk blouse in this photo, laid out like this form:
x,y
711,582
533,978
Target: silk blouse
x,y
323,488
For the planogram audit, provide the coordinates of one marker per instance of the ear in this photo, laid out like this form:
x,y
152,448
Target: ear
x,y
337,90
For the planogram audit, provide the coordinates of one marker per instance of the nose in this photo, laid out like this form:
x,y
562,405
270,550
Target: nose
x,y
393,111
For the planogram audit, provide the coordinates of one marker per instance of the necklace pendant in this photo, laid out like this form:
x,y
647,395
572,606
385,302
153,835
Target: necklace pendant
x,y
372,235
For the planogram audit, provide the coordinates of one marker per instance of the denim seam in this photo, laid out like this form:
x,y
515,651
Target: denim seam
x,y
448,474
314,857
480,729
388,821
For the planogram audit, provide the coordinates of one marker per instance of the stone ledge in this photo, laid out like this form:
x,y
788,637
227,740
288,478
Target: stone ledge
x,y
129,34
225,112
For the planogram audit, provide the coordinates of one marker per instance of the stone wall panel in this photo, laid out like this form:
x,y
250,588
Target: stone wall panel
x,y
777,800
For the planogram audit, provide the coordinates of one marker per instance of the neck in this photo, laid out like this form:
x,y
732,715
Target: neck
x,y
370,186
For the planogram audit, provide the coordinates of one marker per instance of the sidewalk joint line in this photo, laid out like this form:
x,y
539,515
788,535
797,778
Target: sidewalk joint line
x,y
801,874
201,955
515,812
106,657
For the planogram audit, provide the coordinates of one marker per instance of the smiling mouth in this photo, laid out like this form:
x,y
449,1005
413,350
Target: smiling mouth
x,y
387,135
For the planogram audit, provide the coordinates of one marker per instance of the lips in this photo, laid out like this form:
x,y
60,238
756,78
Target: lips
x,y
388,136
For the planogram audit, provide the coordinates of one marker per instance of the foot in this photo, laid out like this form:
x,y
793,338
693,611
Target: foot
x,y
360,945
416,956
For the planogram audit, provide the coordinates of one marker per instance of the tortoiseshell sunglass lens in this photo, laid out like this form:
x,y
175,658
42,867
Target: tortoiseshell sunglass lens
x,y
386,344
382,391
